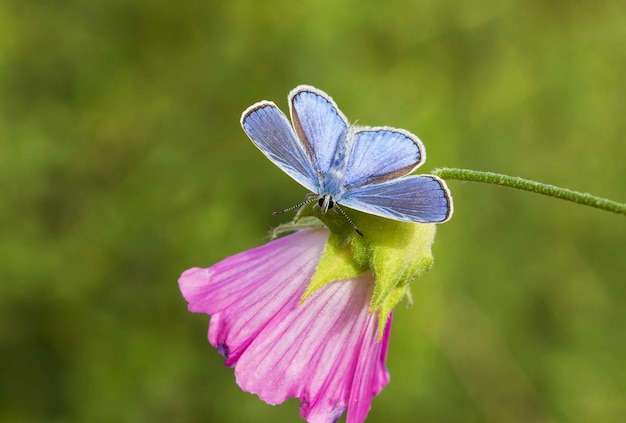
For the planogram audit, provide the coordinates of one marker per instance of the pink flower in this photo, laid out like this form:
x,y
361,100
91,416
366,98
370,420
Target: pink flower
x,y
324,351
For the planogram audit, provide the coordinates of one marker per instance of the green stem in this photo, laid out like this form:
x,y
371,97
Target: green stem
x,y
532,186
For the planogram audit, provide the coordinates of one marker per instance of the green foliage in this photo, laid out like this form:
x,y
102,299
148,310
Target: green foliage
x,y
122,163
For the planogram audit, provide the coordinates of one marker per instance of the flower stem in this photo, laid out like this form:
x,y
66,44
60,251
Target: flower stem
x,y
532,186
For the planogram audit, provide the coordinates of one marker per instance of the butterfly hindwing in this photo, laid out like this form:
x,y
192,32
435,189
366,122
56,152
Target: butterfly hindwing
x,y
420,198
270,131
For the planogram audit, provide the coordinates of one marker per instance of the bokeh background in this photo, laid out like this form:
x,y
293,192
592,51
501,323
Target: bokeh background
x,y
122,163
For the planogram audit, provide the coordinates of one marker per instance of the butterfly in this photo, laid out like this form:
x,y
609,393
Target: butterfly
x,y
360,167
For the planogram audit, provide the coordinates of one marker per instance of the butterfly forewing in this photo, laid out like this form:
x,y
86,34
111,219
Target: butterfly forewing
x,y
319,124
270,131
381,154
421,198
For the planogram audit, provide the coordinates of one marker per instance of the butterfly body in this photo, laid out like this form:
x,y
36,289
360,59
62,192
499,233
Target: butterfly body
x,y
332,182
364,168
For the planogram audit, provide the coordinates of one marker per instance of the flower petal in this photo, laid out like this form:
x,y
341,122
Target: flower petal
x,y
325,351
241,293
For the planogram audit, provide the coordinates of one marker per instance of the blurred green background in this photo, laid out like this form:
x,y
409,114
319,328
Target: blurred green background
x,y
122,163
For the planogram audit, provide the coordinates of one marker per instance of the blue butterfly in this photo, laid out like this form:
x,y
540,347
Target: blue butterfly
x,y
360,167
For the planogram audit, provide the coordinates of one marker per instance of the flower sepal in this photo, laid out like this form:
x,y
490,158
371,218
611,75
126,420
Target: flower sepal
x,y
396,252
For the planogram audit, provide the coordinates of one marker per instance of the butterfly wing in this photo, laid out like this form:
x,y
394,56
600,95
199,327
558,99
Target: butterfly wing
x,y
420,198
270,131
381,154
319,124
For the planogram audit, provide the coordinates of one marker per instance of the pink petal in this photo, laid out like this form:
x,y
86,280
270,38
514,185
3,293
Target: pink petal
x,y
324,351
243,292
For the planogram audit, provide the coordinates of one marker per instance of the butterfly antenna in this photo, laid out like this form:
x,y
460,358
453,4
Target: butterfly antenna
x,y
297,206
349,220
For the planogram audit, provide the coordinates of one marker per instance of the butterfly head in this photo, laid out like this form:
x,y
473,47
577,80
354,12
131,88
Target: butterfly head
x,y
326,202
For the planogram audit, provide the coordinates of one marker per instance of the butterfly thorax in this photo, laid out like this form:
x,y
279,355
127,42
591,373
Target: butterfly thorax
x,y
332,181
